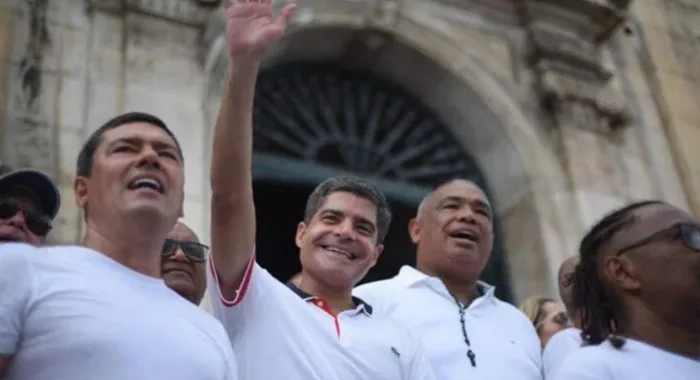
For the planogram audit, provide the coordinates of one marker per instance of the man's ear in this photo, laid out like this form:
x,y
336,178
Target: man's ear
x,y
301,230
414,230
622,272
80,191
377,252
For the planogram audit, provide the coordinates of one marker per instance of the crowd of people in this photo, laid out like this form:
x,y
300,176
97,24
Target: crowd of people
x,y
124,303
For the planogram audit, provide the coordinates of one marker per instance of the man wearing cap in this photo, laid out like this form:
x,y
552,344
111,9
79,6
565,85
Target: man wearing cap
x,y
29,201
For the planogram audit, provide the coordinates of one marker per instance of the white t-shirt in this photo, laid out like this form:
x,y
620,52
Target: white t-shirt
x,y
558,348
634,361
71,313
503,341
278,332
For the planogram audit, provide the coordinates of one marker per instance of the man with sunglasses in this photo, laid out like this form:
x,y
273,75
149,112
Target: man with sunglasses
x,y
29,201
183,266
638,287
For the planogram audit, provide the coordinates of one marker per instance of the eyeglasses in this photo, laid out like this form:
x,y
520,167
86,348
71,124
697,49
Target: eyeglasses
x,y
689,234
195,252
37,223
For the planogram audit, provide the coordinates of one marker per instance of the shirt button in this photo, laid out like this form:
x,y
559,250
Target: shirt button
x,y
320,303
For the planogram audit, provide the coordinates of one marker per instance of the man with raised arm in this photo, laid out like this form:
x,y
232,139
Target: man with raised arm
x,y
102,310
314,330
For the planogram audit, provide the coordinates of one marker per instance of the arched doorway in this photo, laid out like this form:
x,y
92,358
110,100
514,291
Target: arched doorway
x,y
313,121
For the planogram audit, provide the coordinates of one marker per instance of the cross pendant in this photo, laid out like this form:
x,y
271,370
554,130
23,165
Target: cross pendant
x,y
472,357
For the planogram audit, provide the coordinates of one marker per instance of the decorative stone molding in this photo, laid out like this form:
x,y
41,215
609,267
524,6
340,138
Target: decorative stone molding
x,y
190,12
566,38
29,132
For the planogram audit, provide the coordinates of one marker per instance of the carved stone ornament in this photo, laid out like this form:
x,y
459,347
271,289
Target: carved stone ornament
x,y
566,40
191,12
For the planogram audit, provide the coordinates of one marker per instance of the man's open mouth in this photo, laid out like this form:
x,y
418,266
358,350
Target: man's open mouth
x,y
347,254
465,235
146,183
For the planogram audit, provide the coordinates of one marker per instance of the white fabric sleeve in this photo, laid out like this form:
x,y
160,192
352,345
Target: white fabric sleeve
x,y
16,293
253,296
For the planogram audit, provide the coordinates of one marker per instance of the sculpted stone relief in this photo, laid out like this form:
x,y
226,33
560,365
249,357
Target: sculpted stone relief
x,y
573,83
29,132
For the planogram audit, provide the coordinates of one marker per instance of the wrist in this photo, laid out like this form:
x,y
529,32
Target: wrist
x,y
243,64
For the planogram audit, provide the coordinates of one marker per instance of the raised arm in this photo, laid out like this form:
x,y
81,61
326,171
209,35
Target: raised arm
x,y
250,31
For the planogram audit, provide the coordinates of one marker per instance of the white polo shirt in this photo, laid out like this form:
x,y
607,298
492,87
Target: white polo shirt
x,y
504,342
558,348
71,313
635,360
281,333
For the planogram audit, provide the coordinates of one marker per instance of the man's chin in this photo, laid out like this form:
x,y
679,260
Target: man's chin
x,y
152,213
180,285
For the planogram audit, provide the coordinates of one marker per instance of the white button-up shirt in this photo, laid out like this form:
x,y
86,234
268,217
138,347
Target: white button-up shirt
x,y
504,342
280,332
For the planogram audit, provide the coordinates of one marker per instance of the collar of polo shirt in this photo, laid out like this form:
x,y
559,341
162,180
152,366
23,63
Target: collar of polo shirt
x,y
361,306
409,277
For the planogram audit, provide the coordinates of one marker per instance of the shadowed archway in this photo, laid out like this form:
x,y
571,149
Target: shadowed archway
x,y
482,113
313,121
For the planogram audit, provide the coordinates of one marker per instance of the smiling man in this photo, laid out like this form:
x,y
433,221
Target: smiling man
x,y
316,330
183,267
102,310
29,201
468,333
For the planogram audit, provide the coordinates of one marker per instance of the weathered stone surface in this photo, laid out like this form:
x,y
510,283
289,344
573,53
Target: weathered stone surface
x,y
566,116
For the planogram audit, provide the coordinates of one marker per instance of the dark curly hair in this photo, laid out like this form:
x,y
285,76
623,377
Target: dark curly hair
x,y
599,308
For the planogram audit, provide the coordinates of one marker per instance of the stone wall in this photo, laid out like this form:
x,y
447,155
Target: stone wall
x,y
569,108
671,37
85,62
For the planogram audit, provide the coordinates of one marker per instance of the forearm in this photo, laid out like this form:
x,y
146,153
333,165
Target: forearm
x,y
232,208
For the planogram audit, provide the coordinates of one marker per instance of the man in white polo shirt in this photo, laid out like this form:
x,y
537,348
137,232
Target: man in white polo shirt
x,y
316,330
101,311
468,333
638,285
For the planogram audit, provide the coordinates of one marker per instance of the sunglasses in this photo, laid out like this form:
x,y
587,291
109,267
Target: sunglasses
x,y
37,222
195,252
688,232
561,319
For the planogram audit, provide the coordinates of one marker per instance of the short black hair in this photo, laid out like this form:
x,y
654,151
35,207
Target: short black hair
x,y
600,315
358,187
85,157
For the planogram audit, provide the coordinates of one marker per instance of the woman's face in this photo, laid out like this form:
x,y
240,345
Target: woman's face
x,y
554,320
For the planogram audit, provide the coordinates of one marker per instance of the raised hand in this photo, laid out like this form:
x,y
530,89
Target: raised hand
x,y
250,29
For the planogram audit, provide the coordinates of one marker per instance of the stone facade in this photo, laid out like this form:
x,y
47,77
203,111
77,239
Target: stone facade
x,y
570,107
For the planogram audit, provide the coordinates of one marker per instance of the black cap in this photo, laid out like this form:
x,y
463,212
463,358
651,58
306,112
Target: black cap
x,y
37,182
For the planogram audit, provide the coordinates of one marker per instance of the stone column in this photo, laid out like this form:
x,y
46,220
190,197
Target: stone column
x,y
670,37
6,45
587,113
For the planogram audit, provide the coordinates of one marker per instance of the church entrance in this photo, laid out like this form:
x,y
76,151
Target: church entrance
x,y
315,121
